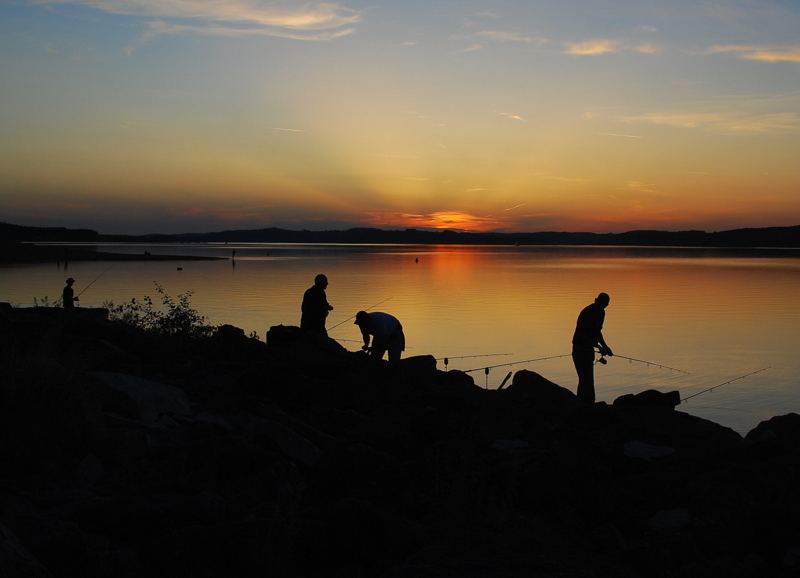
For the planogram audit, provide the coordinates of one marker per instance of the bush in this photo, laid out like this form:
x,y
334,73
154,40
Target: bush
x,y
178,319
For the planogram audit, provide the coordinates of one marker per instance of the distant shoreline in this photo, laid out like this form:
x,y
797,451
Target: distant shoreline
x,y
766,237
11,251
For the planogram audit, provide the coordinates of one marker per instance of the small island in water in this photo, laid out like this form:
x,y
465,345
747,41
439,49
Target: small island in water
x,y
129,452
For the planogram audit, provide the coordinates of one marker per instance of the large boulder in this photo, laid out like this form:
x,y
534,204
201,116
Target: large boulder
x,y
782,427
531,387
137,398
15,560
650,398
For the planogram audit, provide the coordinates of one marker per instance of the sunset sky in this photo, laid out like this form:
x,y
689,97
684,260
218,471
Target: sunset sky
x,y
172,116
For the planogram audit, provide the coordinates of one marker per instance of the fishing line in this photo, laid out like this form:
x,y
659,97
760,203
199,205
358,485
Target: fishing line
x,y
517,362
367,309
603,361
95,279
725,383
467,356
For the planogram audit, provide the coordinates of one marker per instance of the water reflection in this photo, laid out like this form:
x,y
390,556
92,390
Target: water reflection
x,y
716,314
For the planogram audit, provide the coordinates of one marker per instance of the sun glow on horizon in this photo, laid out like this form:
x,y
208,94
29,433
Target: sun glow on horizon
x,y
446,220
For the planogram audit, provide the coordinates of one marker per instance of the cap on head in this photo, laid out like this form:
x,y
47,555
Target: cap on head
x,y
361,317
70,280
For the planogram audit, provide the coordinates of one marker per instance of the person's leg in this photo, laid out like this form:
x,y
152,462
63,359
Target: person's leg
x,y
397,344
584,366
379,346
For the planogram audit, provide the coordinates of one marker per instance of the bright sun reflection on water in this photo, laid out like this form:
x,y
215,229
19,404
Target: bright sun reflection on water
x,y
715,314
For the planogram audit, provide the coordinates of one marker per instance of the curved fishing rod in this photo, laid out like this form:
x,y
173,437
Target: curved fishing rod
x,y
367,309
725,383
516,363
467,356
95,279
603,361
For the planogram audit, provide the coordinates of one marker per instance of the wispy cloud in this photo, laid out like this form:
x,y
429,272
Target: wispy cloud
x,y
551,177
314,20
729,122
620,135
515,207
606,46
470,48
640,187
761,53
647,48
593,47
511,116
487,37
729,114
505,36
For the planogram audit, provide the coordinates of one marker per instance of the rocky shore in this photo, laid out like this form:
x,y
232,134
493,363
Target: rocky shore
x,y
132,454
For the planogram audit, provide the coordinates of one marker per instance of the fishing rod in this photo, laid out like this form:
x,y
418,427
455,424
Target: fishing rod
x,y
447,359
502,385
725,383
603,361
95,279
516,363
367,309
466,356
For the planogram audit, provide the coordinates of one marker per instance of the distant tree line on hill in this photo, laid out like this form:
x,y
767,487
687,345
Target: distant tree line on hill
x,y
788,237
46,234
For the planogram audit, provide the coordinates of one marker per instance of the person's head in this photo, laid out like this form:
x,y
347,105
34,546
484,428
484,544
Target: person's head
x,y
362,318
321,281
603,300
70,281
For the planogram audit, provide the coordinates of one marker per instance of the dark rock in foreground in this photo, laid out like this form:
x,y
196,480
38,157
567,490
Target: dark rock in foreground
x,y
128,454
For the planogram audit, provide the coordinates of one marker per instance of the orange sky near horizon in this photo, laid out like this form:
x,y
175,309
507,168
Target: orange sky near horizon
x,y
196,116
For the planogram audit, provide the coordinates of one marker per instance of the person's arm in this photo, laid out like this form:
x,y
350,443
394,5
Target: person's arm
x,y
365,335
604,349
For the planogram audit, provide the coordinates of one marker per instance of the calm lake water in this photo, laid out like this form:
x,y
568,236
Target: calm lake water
x,y
716,314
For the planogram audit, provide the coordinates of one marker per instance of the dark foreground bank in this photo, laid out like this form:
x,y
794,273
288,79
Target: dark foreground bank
x,y
130,454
